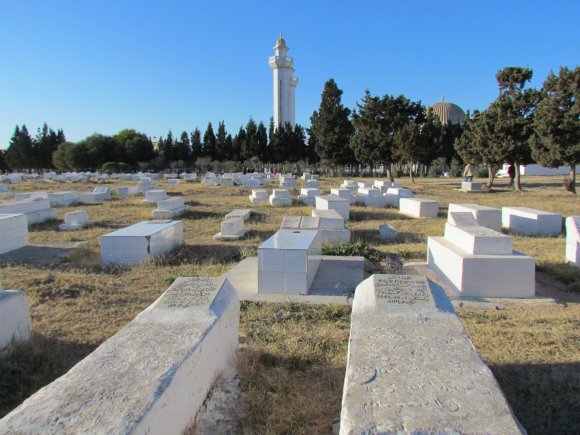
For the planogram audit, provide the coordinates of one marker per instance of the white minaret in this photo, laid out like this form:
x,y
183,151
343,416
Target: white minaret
x,y
284,84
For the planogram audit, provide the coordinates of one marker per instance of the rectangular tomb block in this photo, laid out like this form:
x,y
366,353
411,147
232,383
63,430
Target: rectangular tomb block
x,y
155,195
530,221
471,186
485,216
170,204
418,207
233,226
334,202
476,240
79,217
13,232
573,240
15,325
462,219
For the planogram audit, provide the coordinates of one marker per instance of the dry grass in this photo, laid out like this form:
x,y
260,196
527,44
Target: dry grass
x,y
293,358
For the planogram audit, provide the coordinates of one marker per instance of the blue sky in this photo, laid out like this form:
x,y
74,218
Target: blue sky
x,y
106,65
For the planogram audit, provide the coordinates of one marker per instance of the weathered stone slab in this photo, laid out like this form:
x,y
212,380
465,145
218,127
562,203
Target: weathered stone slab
x,y
150,377
13,232
524,220
412,368
15,323
485,216
462,219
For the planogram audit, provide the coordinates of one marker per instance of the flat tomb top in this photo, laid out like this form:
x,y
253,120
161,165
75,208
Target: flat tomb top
x,y
290,239
419,200
333,198
10,215
476,207
190,292
481,231
527,210
142,229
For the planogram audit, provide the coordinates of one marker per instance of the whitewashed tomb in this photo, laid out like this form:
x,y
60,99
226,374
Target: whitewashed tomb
x,y
308,195
169,208
280,198
485,216
573,240
155,195
75,220
13,232
36,211
259,196
394,194
15,323
345,193
244,213
334,202
418,207
532,222
231,228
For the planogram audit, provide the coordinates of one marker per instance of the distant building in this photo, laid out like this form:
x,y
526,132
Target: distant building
x,y
448,113
284,84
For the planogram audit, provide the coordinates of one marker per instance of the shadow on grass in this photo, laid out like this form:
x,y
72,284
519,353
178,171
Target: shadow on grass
x,y
51,225
205,254
35,364
544,397
33,255
200,214
174,194
364,215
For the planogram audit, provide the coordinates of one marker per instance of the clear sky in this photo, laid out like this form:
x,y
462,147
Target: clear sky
x,y
101,66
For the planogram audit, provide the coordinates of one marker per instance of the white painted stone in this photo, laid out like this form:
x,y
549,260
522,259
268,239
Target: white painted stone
x,y
384,186
370,197
485,216
329,215
345,193
210,179
244,213
331,230
471,186
259,196
151,377
173,182
334,202
476,240
573,240
313,184
419,207
136,243
306,176
349,184
394,194
154,196
75,220
13,232
387,232
288,261
64,199
412,368
287,181
227,181
280,198
308,195
461,219
231,229
169,208
15,323
36,211
503,276
30,196
530,221
128,191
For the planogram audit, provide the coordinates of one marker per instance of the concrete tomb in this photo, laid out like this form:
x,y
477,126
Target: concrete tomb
x,y
227,180
280,198
477,261
173,181
259,196
128,191
345,193
394,195
387,232
288,262
308,195
155,195
169,208
461,219
306,176
334,202
349,184
244,213
471,186
384,186
419,207
370,197
332,230
151,377
36,210
138,242
29,196
573,240
523,220
145,185
287,181
412,368
231,228
13,232
64,199
75,220
15,323
210,179
485,216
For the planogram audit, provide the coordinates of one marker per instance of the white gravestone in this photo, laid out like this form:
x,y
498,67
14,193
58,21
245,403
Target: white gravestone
x,y
313,184
287,181
349,184
485,216
136,243
172,182
231,228
371,197
333,202
154,196
29,196
419,207
64,199
531,222
152,376
169,208
13,232
412,368
477,261
461,219
394,195
288,261
259,196
573,240
331,230
308,195
75,220
15,323
128,191
345,193
280,198
36,211
471,186
244,213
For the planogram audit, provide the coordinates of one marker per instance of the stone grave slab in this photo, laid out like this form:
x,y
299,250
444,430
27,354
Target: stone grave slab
x,y
573,240
529,221
476,240
15,325
13,232
462,219
485,216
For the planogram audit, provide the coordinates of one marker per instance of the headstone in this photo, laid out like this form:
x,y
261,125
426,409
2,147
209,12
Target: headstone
x,y
345,193
418,207
280,198
462,219
333,202
75,220
169,208
259,196
244,213
411,367
15,325
36,211
231,229
573,240
308,195
471,186
154,196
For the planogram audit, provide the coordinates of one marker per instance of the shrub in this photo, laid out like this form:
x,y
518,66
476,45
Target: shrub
x,y
354,249
115,167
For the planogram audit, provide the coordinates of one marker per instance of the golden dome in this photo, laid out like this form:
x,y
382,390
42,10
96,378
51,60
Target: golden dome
x,y
449,113
280,41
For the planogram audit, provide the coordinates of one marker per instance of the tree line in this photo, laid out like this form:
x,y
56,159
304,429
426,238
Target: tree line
x,y
520,126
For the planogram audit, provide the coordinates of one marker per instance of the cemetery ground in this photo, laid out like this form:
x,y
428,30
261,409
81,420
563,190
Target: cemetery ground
x,y
292,357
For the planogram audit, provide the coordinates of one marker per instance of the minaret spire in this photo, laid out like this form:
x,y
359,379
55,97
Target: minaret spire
x,y
284,84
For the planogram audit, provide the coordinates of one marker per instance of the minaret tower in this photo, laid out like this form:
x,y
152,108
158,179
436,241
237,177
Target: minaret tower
x,y
284,84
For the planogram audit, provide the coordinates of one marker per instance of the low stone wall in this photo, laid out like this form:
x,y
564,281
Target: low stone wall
x,y
412,368
152,376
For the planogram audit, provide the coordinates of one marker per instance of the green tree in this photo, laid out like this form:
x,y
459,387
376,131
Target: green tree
x,y
183,148
44,145
332,127
19,154
3,165
557,123
98,149
222,152
196,146
61,157
262,141
249,146
366,120
513,111
133,147
411,146
209,143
